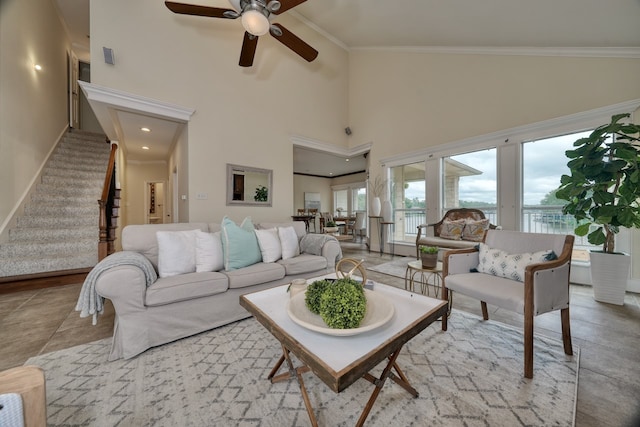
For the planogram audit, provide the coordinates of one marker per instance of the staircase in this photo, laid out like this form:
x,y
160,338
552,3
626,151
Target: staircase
x,y
59,228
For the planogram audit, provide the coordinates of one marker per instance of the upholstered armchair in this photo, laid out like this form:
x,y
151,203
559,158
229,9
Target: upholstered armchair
x,y
527,273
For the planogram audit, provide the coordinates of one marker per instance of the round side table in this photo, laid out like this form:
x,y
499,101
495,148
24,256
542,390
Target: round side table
x,y
414,268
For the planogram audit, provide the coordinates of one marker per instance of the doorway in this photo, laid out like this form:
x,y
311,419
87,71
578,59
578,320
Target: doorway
x,y
155,197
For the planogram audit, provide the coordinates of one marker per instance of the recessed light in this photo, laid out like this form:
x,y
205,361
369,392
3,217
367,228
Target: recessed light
x,y
37,67
144,147
346,160
145,129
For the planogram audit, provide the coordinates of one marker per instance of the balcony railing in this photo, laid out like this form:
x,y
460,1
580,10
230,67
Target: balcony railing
x,y
535,219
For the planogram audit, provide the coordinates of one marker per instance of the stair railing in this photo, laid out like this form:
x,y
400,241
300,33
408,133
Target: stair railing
x,y
104,203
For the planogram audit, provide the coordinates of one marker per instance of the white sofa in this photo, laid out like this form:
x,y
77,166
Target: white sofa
x,y
186,304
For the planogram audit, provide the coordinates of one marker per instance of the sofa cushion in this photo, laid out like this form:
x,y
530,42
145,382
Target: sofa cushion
x,y
297,225
185,287
142,238
474,230
255,274
240,244
452,229
176,252
303,263
505,293
289,242
269,244
209,254
446,243
511,266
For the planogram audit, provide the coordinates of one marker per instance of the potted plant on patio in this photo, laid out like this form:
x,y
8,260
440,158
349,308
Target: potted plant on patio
x,y
429,256
603,192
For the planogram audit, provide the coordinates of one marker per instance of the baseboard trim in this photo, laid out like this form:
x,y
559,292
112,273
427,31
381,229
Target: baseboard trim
x,y
49,279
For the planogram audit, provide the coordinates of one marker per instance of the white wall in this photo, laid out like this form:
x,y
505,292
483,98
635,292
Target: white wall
x,y
138,173
311,184
408,101
33,104
242,116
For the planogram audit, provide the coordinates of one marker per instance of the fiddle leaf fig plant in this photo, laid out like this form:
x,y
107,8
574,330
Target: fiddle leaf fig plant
x,y
603,189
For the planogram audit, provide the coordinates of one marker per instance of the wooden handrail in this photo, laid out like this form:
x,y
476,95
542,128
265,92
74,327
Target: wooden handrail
x,y
110,168
103,241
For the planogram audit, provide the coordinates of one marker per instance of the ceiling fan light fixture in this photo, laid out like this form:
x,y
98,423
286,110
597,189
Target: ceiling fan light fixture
x,y
255,22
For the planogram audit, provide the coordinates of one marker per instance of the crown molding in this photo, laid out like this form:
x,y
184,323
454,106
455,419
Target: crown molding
x,y
131,102
319,30
579,52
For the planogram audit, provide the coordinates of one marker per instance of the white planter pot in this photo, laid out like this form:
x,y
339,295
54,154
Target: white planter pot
x,y
375,206
386,211
609,276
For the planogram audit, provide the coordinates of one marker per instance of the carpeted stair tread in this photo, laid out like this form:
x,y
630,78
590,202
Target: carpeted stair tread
x,y
21,266
59,227
66,177
28,249
44,234
50,221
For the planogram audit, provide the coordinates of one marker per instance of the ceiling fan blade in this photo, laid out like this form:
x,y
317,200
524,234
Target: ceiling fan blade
x,y
192,9
248,51
288,4
294,43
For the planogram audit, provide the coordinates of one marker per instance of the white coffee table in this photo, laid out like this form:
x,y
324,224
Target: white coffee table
x,y
341,361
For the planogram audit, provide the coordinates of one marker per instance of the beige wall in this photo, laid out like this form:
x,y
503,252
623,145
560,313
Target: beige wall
x,y
178,163
33,104
138,174
311,184
242,116
408,101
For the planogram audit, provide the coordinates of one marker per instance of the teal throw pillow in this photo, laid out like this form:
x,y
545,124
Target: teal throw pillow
x,y
239,244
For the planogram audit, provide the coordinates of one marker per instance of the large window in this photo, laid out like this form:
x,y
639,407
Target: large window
x,y
359,199
408,199
470,181
340,202
543,163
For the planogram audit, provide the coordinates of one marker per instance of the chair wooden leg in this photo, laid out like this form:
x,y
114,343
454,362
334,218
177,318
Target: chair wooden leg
x,y
445,297
528,346
485,312
566,331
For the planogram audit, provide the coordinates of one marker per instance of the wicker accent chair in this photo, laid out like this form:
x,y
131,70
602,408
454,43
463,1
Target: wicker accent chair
x,y
429,234
545,286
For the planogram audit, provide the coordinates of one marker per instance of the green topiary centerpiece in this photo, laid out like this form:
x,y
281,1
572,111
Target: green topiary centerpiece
x,y
341,304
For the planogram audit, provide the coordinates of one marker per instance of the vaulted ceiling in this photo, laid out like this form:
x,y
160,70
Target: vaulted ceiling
x,y
508,26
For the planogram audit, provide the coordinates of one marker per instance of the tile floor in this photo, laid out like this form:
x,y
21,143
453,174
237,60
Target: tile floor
x,y
40,321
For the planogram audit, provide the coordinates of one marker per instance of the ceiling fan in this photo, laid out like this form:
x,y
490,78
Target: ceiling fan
x,y
256,19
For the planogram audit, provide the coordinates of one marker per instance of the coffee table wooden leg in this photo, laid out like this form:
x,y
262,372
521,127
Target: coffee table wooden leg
x,y
379,383
276,368
303,389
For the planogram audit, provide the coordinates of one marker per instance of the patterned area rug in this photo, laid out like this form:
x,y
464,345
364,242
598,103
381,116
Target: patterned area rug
x,y
468,376
397,267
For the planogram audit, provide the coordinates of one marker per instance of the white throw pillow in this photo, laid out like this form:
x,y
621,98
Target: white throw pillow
x,y
209,256
176,252
269,242
289,242
511,266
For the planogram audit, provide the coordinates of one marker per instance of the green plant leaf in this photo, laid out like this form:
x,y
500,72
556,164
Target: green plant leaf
x,y
582,229
597,237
